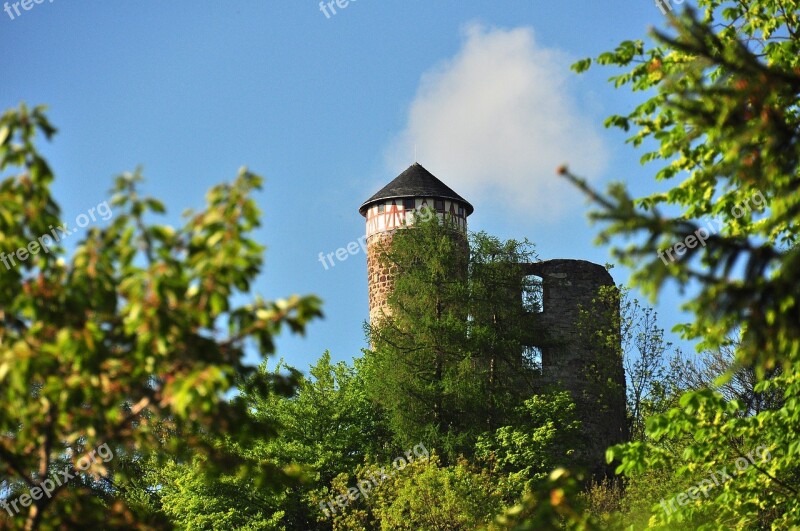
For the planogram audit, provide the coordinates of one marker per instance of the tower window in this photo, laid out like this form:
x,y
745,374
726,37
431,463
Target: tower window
x,y
381,208
532,294
409,204
532,358
461,211
438,204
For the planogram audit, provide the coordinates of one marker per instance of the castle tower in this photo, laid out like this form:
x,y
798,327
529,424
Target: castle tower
x,y
392,208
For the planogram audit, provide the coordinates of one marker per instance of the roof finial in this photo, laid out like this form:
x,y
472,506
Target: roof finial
x,y
415,153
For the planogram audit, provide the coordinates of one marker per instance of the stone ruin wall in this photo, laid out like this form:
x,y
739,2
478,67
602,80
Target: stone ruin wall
x,y
572,359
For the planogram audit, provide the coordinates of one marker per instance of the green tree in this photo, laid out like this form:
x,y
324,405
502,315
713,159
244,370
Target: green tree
x,y
190,499
721,121
547,436
327,427
502,325
554,503
447,361
420,495
419,366
132,341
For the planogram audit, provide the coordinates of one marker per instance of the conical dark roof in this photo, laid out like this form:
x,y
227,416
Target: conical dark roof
x,y
416,181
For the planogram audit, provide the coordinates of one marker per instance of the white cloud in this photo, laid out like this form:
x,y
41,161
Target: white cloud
x,y
495,121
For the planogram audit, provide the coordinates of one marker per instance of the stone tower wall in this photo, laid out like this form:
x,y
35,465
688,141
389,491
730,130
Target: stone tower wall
x,y
573,358
379,276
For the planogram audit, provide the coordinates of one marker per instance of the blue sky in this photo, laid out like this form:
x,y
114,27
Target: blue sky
x,y
329,110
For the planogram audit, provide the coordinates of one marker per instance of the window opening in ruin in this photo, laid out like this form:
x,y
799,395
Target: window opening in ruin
x,y
532,358
532,294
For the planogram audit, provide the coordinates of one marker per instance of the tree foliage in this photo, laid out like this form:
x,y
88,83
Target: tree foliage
x,y
720,122
422,495
446,362
326,428
132,340
652,376
418,366
548,436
